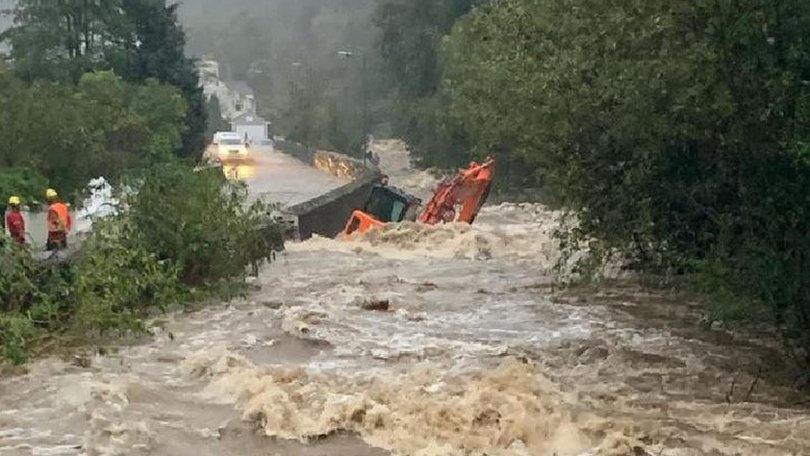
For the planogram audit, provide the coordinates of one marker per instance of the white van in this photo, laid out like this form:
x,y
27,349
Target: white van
x,y
228,146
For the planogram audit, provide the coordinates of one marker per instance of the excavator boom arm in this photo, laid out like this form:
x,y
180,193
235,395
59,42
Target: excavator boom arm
x,y
469,188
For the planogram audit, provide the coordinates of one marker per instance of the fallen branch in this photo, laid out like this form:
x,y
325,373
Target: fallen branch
x,y
753,385
730,394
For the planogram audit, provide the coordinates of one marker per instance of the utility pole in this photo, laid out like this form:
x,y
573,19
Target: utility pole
x,y
364,115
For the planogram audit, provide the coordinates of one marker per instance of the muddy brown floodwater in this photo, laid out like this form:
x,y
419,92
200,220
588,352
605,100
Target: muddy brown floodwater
x,y
471,350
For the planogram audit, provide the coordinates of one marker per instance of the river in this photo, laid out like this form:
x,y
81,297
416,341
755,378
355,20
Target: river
x,y
421,341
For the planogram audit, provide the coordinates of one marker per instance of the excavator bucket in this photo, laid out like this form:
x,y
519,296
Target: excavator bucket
x,y
359,223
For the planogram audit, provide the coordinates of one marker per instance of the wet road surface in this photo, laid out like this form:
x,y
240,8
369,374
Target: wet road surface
x,y
281,178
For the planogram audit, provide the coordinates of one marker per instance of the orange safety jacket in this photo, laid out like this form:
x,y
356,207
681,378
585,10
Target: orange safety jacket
x,y
59,220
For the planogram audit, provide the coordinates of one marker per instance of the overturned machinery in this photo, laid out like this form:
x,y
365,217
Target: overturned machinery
x,y
457,199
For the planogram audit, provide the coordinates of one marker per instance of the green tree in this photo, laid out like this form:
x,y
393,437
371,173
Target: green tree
x,y
101,127
155,49
411,33
138,39
677,131
62,40
215,121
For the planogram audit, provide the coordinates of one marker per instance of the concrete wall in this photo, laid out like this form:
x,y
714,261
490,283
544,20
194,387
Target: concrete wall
x,y
327,214
296,150
339,165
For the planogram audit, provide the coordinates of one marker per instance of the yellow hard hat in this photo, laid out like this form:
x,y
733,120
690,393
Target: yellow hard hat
x,y
51,193
14,201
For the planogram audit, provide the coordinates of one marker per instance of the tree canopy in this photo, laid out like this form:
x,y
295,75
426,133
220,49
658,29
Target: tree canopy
x,y
101,127
411,33
678,132
137,39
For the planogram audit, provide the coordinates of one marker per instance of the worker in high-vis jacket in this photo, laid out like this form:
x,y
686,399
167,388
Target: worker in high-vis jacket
x,y
15,221
59,222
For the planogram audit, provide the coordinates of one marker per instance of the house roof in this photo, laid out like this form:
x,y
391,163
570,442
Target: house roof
x,y
248,118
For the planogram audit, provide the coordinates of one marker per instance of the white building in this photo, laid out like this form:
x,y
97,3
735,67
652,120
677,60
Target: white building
x,y
250,127
235,99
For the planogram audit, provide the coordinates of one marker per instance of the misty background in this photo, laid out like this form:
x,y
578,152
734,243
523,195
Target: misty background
x,y
330,73
6,20
313,64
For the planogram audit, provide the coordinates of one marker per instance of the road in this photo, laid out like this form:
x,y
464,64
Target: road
x,y
281,178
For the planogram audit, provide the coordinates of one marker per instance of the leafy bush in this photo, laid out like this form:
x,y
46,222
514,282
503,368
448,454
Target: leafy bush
x,y
182,229
15,331
18,289
211,234
24,182
29,298
102,126
761,261
117,284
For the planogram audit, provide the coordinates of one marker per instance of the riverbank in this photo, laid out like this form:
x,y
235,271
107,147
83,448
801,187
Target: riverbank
x,y
137,262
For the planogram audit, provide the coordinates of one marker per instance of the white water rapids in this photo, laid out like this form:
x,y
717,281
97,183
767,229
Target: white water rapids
x,y
420,341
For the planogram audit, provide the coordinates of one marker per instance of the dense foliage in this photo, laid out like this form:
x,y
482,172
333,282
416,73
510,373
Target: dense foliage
x,y
100,127
159,249
24,182
214,120
678,132
137,39
212,234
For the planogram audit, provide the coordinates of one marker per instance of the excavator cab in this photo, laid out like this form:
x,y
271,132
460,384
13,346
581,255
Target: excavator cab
x,y
385,205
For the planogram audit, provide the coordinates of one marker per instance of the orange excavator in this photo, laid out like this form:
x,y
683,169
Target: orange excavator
x,y
469,189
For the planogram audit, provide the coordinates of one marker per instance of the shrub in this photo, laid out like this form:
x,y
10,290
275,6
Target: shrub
x,y
18,288
28,298
24,182
117,284
212,233
182,229
15,331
